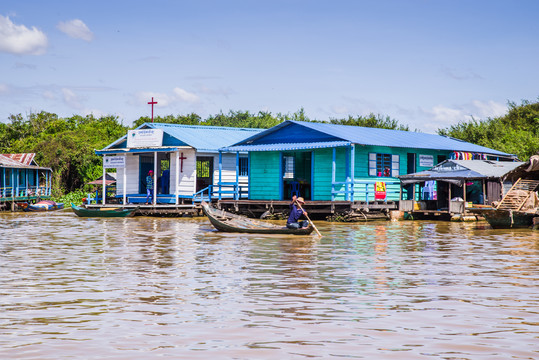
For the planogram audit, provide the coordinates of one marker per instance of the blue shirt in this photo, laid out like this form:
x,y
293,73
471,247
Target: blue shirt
x,y
149,182
295,214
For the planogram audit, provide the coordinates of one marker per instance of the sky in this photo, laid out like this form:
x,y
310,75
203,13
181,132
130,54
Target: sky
x,y
428,64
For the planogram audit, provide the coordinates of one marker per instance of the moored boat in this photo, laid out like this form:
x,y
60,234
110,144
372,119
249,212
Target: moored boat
x,y
505,218
228,222
43,205
102,212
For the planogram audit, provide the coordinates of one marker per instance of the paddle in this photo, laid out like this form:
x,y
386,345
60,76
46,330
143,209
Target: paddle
x,y
307,216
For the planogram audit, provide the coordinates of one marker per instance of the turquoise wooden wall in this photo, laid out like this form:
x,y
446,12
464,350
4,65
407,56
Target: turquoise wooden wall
x,y
265,175
265,172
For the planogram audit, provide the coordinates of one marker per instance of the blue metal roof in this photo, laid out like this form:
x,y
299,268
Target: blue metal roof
x,y
200,137
288,146
362,136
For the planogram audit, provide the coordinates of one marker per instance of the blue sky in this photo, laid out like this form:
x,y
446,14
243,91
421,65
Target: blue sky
x,y
427,64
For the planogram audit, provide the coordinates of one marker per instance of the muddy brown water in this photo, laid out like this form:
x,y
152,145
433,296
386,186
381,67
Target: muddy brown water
x,y
145,288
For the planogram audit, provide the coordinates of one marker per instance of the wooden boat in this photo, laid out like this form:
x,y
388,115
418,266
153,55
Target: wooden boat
x,y
506,219
102,212
43,205
228,222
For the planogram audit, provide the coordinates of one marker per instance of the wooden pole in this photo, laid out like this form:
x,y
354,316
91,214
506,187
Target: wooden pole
x,y
307,216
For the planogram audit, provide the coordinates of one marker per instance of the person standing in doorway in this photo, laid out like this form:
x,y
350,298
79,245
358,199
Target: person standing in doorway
x,y
149,187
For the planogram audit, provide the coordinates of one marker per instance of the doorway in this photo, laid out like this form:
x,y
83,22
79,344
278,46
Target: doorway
x,y
297,174
204,172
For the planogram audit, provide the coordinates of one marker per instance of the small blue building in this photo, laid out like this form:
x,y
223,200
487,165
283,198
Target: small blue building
x,y
328,162
22,179
185,161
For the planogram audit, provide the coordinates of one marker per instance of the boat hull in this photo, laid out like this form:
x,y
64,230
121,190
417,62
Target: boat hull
x,y
507,219
228,222
45,205
84,212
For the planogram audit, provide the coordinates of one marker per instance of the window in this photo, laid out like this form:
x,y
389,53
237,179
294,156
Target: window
x,y
383,165
288,163
244,166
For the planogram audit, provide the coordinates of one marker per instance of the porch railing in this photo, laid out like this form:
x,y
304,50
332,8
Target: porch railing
x,y
347,188
26,192
223,190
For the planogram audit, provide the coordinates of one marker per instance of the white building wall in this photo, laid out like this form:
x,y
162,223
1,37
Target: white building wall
x,y
187,179
228,174
132,168
186,186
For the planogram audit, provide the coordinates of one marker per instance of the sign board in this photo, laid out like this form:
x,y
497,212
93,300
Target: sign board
x,y
117,162
380,190
144,138
426,160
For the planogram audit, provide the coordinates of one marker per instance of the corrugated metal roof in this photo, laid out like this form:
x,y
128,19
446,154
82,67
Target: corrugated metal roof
x,y
288,146
381,137
9,162
24,158
205,138
463,169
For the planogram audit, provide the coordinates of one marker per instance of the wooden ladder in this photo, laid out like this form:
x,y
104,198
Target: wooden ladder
x,y
517,196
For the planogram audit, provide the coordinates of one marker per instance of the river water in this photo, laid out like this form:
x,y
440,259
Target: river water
x,y
145,288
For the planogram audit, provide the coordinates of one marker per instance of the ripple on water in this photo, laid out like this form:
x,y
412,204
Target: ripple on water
x,y
145,287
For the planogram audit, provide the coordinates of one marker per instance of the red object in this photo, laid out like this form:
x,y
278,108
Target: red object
x,y
152,103
182,158
380,190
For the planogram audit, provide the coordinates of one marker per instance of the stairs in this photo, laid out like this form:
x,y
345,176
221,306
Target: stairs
x,y
519,193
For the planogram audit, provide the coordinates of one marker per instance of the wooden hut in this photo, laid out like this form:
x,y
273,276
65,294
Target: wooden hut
x,y
184,159
22,179
451,185
328,162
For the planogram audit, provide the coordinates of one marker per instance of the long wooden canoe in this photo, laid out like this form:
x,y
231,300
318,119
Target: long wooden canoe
x,y
228,222
116,212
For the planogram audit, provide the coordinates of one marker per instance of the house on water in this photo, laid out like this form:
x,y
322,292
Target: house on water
x,y
357,167
453,186
22,179
185,161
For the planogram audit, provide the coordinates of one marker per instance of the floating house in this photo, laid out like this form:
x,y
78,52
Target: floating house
x,y
451,185
329,162
22,179
185,161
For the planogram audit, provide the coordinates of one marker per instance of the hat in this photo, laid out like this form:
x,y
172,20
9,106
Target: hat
x,y
300,199
150,172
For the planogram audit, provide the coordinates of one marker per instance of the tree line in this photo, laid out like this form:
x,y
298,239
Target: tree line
x,y
67,145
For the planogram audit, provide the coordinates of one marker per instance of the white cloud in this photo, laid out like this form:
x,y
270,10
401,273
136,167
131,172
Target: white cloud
x,y
71,99
19,40
183,95
76,29
178,96
441,116
49,95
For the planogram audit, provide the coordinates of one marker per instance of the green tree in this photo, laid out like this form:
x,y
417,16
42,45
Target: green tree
x,y
517,132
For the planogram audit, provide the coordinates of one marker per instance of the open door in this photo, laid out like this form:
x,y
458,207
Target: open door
x,y
145,165
297,174
204,172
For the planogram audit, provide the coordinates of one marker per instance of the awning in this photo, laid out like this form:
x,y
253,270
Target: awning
x,y
109,179
453,177
287,146
140,150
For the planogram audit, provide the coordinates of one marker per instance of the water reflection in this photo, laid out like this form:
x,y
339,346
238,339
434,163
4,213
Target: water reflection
x,y
141,288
